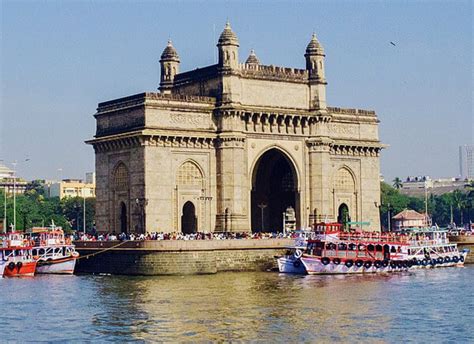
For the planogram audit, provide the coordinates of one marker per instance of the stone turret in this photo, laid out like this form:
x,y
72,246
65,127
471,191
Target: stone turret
x,y
169,63
228,47
315,65
315,60
252,59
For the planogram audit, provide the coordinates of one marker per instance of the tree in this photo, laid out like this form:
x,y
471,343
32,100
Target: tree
x,y
459,202
397,183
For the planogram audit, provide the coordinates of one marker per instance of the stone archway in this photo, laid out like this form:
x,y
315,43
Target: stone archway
x,y
343,215
123,218
274,189
188,218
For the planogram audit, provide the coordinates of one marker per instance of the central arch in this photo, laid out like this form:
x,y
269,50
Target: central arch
x,y
188,219
274,189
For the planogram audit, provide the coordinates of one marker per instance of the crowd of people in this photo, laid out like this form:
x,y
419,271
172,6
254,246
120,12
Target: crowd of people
x,y
177,236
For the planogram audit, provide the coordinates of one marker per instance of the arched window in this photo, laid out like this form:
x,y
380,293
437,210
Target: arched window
x,y
344,181
189,175
121,177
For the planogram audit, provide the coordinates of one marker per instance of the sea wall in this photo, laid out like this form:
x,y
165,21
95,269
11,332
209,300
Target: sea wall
x,y
465,242
178,257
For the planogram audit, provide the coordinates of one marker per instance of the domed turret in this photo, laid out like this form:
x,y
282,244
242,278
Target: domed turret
x,y
228,37
228,47
252,59
169,63
315,59
170,53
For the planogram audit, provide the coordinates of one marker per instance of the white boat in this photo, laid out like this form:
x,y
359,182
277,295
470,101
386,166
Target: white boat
x,y
3,265
291,262
430,248
54,253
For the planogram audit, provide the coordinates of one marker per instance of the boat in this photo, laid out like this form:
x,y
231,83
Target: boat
x,y
16,256
290,262
430,248
54,253
334,251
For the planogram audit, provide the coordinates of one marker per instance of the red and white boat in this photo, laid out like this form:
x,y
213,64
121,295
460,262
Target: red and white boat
x,y
337,252
16,257
54,252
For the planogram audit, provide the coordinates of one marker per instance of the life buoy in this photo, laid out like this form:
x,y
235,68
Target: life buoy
x,y
455,259
359,263
336,261
385,263
297,263
419,262
399,265
425,262
440,260
368,264
393,265
11,265
298,254
461,259
19,265
325,260
433,262
447,259
378,264
349,263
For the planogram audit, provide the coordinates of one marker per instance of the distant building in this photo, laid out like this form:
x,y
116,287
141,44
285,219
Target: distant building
x,y
466,162
10,183
72,187
415,186
410,219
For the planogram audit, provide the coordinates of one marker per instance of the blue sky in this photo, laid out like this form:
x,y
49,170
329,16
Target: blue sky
x,y
60,58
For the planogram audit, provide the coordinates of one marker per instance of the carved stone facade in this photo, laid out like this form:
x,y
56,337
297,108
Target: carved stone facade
x,y
231,146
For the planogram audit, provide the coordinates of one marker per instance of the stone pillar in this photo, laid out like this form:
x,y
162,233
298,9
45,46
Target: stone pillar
x,y
232,184
319,179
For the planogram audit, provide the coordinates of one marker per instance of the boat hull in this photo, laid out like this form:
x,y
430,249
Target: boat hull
x,y
3,265
64,266
26,269
315,266
291,265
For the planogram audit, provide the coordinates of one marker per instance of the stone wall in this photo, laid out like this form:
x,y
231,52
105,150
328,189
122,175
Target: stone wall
x,y
179,257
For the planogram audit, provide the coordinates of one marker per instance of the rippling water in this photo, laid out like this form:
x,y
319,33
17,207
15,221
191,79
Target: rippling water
x,y
423,306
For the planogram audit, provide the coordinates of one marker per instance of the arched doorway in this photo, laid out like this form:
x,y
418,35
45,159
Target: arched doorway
x,y
123,218
188,218
343,215
274,189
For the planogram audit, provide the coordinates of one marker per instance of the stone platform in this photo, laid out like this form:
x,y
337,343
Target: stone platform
x,y
178,257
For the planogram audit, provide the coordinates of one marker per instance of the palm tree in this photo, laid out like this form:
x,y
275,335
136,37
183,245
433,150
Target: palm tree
x,y
459,202
397,183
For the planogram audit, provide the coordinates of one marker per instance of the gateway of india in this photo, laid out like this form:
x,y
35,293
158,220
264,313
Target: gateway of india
x,y
231,147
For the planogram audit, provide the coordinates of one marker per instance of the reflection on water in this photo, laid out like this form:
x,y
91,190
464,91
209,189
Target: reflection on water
x,y
433,304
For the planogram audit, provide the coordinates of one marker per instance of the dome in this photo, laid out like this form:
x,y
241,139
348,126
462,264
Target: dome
x,y
314,47
252,59
228,37
170,53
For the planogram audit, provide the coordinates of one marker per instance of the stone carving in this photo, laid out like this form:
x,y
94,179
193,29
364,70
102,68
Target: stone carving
x,y
189,120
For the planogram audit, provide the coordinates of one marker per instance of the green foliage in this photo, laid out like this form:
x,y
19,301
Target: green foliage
x,y
34,210
458,203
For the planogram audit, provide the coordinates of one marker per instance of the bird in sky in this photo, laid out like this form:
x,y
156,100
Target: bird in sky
x,y
393,44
